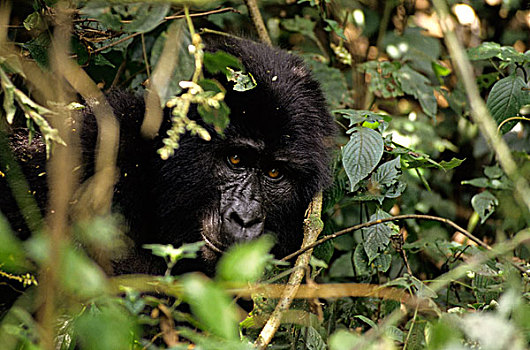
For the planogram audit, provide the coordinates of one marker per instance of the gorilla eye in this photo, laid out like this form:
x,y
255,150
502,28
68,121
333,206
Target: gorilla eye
x,y
234,159
274,173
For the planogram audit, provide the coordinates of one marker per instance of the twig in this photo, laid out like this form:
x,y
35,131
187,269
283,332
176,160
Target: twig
x,y
200,14
255,15
312,228
168,18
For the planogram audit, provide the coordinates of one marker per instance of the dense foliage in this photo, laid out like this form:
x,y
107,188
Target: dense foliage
x,y
413,141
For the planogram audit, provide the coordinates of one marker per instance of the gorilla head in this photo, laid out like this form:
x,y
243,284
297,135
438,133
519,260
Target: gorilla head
x,y
262,173
258,177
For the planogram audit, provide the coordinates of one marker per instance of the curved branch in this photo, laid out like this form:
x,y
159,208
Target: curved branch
x,y
380,221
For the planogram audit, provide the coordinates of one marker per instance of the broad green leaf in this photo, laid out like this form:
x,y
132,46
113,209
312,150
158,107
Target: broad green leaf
x,y
376,237
107,326
361,154
218,117
184,66
489,50
211,306
81,276
342,266
12,254
245,262
417,85
145,17
300,25
382,80
382,262
360,261
38,49
388,173
218,62
414,47
342,339
312,339
484,204
506,98
332,82
493,172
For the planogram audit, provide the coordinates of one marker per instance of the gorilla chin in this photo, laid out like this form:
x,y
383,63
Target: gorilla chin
x,y
259,176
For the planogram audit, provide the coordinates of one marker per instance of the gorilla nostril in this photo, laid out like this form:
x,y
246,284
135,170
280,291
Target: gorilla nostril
x,y
245,221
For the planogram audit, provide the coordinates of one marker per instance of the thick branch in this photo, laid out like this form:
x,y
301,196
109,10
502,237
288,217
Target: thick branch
x,y
312,228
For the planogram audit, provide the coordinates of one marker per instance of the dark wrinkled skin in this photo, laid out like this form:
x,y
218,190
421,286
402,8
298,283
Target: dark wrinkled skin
x,y
198,193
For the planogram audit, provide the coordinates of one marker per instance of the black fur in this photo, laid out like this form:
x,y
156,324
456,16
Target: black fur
x,y
283,121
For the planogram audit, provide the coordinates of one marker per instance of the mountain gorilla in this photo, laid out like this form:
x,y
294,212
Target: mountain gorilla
x,y
258,177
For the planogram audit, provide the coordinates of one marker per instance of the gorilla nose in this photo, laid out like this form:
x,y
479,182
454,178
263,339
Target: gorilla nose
x,y
245,223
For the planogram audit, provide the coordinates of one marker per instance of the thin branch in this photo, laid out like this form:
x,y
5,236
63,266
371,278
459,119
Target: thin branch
x,y
312,227
255,15
389,219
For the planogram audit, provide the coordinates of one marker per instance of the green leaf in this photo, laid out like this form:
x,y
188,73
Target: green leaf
x,y
332,82
185,66
342,266
81,276
360,261
243,81
107,326
211,306
414,47
146,17
38,49
367,321
218,117
484,204
141,18
506,98
335,27
360,116
376,237
382,80
453,163
12,254
219,61
245,262
312,339
342,339
388,173
300,25
9,96
417,85
489,50
493,172
361,154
